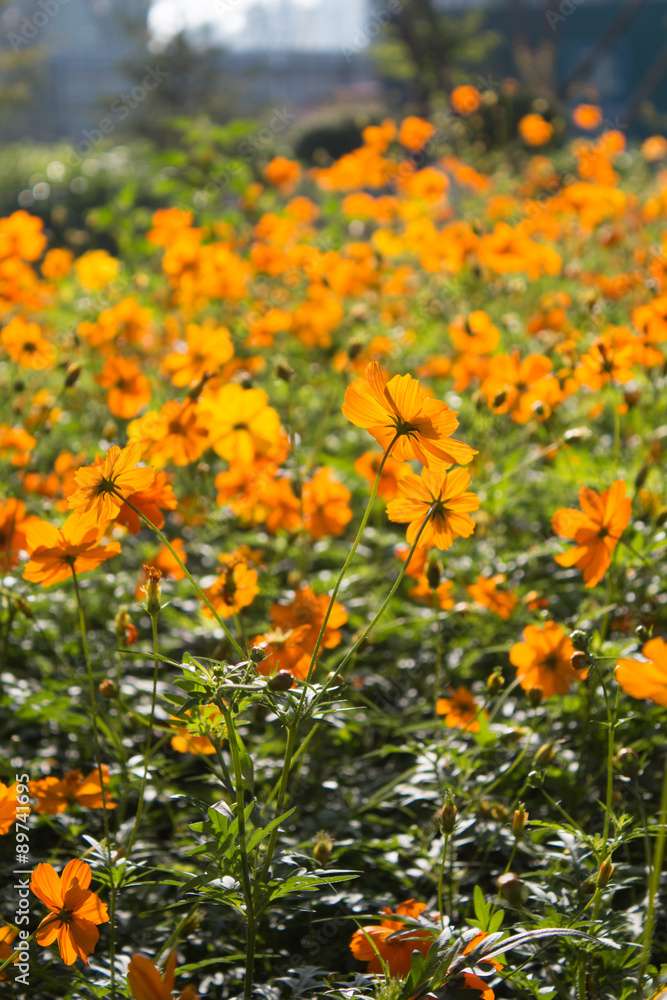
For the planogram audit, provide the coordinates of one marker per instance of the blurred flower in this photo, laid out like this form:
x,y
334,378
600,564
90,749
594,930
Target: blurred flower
x,y
646,678
55,553
53,795
460,710
145,982
534,130
465,99
596,529
392,941
543,659
326,508
485,592
587,116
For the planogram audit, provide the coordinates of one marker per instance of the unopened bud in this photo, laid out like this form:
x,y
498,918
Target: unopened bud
x,y
499,399
110,430
354,349
322,849
72,374
495,682
579,660
589,887
499,812
544,755
446,816
536,695
257,653
335,680
284,371
605,871
642,633
282,681
121,622
23,607
108,688
153,590
640,478
519,821
627,761
433,574
579,639
511,889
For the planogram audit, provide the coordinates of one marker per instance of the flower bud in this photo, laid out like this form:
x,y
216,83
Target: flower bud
x,y
72,374
121,622
108,688
605,871
579,639
257,653
446,816
110,430
642,633
499,812
354,349
153,589
589,887
23,607
499,399
284,371
335,680
519,821
627,761
282,681
511,889
544,755
536,695
433,573
495,682
640,478
579,660
322,849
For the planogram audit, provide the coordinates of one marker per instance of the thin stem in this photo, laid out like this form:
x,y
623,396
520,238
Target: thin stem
x,y
149,740
441,879
438,654
350,556
654,884
191,579
251,921
98,757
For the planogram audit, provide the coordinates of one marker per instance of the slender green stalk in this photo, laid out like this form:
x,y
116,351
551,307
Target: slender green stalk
x,y
149,741
191,579
441,879
350,557
98,757
654,884
251,920
438,654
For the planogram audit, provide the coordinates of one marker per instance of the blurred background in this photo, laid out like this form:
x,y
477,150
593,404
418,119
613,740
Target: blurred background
x,y
90,80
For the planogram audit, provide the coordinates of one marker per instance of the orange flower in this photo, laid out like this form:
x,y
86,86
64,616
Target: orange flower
x,y
606,361
283,173
195,738
208,348
242,425
474,335
460,710
646,679
13,526
7,935
587,116
25,344
423,592
654,148
146,983
448,493
178,433
415,133
398,406
284,651
534,130
485,592
96,269
392,942
465,99
104,486
75,911
57,264
543,659
326,508
21,236
596,529
55,553
159,495
367,465
128,387
309,609
53,795
7,807
235,587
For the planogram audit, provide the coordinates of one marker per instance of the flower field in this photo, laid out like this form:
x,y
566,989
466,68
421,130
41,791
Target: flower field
x,y
333,625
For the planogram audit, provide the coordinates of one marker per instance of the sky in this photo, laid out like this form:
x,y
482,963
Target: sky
x,y
225,18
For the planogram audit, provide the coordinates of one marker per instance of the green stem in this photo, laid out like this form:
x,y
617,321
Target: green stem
x,y
191,579
350,557
251,921
654,884
149,741
441,880
438,654
98,757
